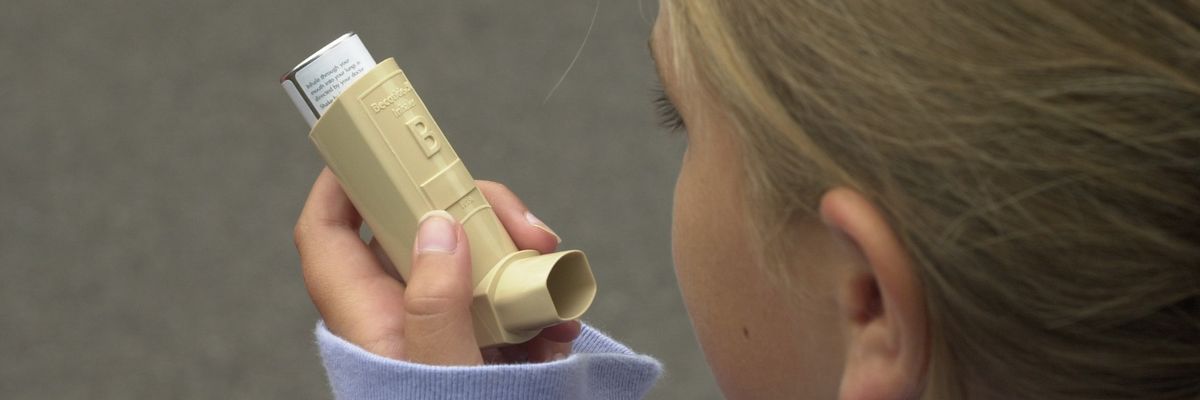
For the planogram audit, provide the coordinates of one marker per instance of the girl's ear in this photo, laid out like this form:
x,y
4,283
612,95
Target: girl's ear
x,y
880,301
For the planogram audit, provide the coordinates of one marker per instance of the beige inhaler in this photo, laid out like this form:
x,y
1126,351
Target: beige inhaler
x,y
394,163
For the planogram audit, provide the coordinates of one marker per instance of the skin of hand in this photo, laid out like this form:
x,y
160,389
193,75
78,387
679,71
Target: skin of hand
x,y
426,320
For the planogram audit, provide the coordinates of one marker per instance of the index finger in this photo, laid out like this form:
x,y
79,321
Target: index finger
x,y
346,281
526,230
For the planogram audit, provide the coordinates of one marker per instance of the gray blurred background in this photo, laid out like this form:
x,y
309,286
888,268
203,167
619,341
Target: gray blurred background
x,y
151,170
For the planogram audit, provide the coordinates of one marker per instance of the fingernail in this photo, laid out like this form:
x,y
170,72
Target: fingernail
x,y
437,233
537,223
559,356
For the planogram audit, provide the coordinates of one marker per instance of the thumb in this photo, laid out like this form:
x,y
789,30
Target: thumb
x,y
437,301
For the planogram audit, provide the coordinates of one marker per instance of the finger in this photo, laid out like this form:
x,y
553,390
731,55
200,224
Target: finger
x,y
437,300
493,356
514,354
384,260
539,350
526,230
341,273
553,343
565,332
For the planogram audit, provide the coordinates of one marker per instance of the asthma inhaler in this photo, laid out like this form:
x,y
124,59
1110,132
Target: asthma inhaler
x,y
392,160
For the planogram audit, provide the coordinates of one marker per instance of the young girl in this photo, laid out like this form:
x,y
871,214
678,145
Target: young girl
x,y
880,200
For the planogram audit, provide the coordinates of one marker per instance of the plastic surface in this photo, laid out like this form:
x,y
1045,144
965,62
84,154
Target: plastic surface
x,y
395,164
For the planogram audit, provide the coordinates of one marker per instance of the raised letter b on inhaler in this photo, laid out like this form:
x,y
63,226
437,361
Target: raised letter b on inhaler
x,y
395,164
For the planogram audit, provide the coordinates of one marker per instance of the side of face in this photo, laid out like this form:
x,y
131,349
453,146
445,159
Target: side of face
x,y
759,341
851,324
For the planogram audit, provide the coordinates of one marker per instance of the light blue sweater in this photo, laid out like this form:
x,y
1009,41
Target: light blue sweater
x,y
598,368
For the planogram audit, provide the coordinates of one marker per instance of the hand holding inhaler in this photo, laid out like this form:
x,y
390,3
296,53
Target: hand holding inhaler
x,y
398,173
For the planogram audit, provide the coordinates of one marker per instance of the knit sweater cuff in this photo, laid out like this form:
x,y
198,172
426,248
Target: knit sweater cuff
x,y
598,368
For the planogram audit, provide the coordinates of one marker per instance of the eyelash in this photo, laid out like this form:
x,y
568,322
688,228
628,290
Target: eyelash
x,y
668,115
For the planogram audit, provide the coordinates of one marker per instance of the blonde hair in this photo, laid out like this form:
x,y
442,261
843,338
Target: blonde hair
x,y
1040,160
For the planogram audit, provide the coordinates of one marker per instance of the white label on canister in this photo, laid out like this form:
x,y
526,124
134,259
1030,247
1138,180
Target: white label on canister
x,y
294,94
327,76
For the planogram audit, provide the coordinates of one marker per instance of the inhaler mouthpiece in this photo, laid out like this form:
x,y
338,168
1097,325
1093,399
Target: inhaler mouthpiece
x,y
395,165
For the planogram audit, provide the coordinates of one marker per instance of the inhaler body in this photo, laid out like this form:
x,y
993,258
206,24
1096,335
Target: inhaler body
x,y
395,164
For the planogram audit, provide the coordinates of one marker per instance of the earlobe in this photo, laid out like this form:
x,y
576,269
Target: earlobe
x,y
881,302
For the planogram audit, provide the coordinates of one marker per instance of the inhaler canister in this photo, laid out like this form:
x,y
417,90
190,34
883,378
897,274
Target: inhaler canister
x,y
395,165
318,80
